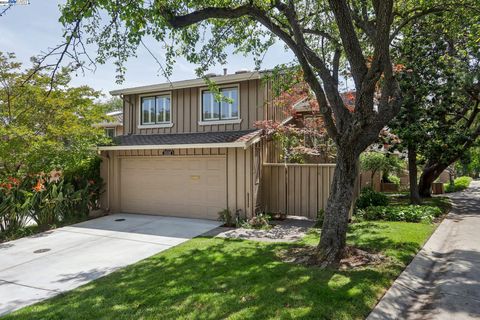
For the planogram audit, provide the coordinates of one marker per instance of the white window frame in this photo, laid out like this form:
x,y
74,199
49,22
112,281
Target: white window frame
x,y
111,129
154,124
217,121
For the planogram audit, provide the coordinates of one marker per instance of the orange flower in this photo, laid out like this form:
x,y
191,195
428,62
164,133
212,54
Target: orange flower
x,y
39,187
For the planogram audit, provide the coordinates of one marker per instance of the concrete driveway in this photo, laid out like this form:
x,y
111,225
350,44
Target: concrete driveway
x,y
39,267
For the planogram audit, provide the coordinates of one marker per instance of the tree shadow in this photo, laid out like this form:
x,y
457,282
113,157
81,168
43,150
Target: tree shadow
x,y
217,278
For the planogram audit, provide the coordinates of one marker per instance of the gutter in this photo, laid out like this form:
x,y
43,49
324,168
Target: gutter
x,y
177,146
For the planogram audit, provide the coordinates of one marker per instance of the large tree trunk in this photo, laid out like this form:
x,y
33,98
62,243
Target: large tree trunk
x,y
412,174
333,236
429,175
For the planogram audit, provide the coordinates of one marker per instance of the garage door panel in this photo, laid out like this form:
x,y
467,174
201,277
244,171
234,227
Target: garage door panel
x,y
183,186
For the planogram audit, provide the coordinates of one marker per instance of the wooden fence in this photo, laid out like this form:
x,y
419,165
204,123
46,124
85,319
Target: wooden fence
x,y
296,189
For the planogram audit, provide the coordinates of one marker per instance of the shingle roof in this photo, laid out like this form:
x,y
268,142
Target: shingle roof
x,y
185,138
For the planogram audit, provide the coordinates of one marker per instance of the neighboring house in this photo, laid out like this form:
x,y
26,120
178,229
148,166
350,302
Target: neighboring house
x,y
114,127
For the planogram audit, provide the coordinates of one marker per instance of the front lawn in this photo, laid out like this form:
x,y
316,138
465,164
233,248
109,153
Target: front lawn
x,y
209,278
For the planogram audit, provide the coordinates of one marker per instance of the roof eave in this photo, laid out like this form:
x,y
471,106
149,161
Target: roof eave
x,y
176,146
187,83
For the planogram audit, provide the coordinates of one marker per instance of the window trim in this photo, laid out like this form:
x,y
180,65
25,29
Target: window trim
x,y
114,132
220,121
141,125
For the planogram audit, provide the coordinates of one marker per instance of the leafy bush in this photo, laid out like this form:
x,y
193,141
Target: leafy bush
x,y
394,179
227,217
260,221
48,198
459,184
369,197
410,213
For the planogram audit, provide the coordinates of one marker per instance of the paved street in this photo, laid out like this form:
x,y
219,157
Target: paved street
x,y
443,281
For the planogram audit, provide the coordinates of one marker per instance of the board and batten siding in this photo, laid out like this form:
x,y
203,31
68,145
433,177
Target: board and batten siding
x,y
185,110
297,189
240,174
255,99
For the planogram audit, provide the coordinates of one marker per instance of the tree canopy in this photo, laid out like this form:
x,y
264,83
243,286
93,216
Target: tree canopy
x,y
42,127
440,116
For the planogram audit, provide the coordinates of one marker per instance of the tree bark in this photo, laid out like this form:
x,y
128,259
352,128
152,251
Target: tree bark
x,y
412,174
333,236
429,175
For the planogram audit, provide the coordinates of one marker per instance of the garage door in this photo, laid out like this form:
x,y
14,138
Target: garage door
x,y
193,187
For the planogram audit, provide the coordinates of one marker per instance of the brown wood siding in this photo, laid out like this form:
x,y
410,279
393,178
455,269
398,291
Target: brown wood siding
x,y
297,189
185,111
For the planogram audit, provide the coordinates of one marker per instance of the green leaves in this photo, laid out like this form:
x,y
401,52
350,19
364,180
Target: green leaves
x,y
41,131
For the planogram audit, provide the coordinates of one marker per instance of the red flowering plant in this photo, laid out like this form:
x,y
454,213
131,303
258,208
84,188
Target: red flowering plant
x,y
14,204
302,136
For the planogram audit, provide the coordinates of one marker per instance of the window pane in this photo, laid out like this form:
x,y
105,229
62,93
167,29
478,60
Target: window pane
x,y
210,107
160,109
148,110
230,109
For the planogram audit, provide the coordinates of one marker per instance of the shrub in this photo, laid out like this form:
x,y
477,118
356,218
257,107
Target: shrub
x,y
394,179
260,221
369,197
410,213
459,184
227,217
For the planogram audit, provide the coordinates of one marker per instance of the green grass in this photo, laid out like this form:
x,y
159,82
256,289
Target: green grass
x,y
208,278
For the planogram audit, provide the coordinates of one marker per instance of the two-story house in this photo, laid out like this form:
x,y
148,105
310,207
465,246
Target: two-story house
x,y
183,153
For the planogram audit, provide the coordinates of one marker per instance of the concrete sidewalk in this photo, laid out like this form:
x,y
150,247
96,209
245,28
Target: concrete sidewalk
x,y
39,267
443,280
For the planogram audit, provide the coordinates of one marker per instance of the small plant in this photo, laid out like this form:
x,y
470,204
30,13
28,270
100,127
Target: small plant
x,y
227,217
459,184
320,218
410,213
369,197
260,221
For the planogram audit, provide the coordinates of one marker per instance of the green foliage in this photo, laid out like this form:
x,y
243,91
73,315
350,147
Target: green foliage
x,y
227,217
394,179
45,128
259,221
377,161
411,213
48,199
440,115
459,184
369,197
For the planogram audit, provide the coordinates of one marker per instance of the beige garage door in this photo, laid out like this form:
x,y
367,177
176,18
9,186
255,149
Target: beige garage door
x,y
175,186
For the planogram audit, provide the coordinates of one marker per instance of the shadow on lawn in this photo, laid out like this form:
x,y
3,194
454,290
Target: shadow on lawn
x,y
212,279
369,236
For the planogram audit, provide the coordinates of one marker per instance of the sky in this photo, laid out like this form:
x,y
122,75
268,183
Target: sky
x,y
27,30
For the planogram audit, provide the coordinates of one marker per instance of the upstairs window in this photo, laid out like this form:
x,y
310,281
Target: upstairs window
x,y
156,110
225,109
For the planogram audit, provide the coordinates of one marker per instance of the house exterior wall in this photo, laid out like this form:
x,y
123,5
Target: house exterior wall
x,y
254,105
240,175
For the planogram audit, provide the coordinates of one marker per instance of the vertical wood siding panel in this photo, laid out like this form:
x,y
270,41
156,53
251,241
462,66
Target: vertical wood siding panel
x,y
231,180
252,103
244,105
